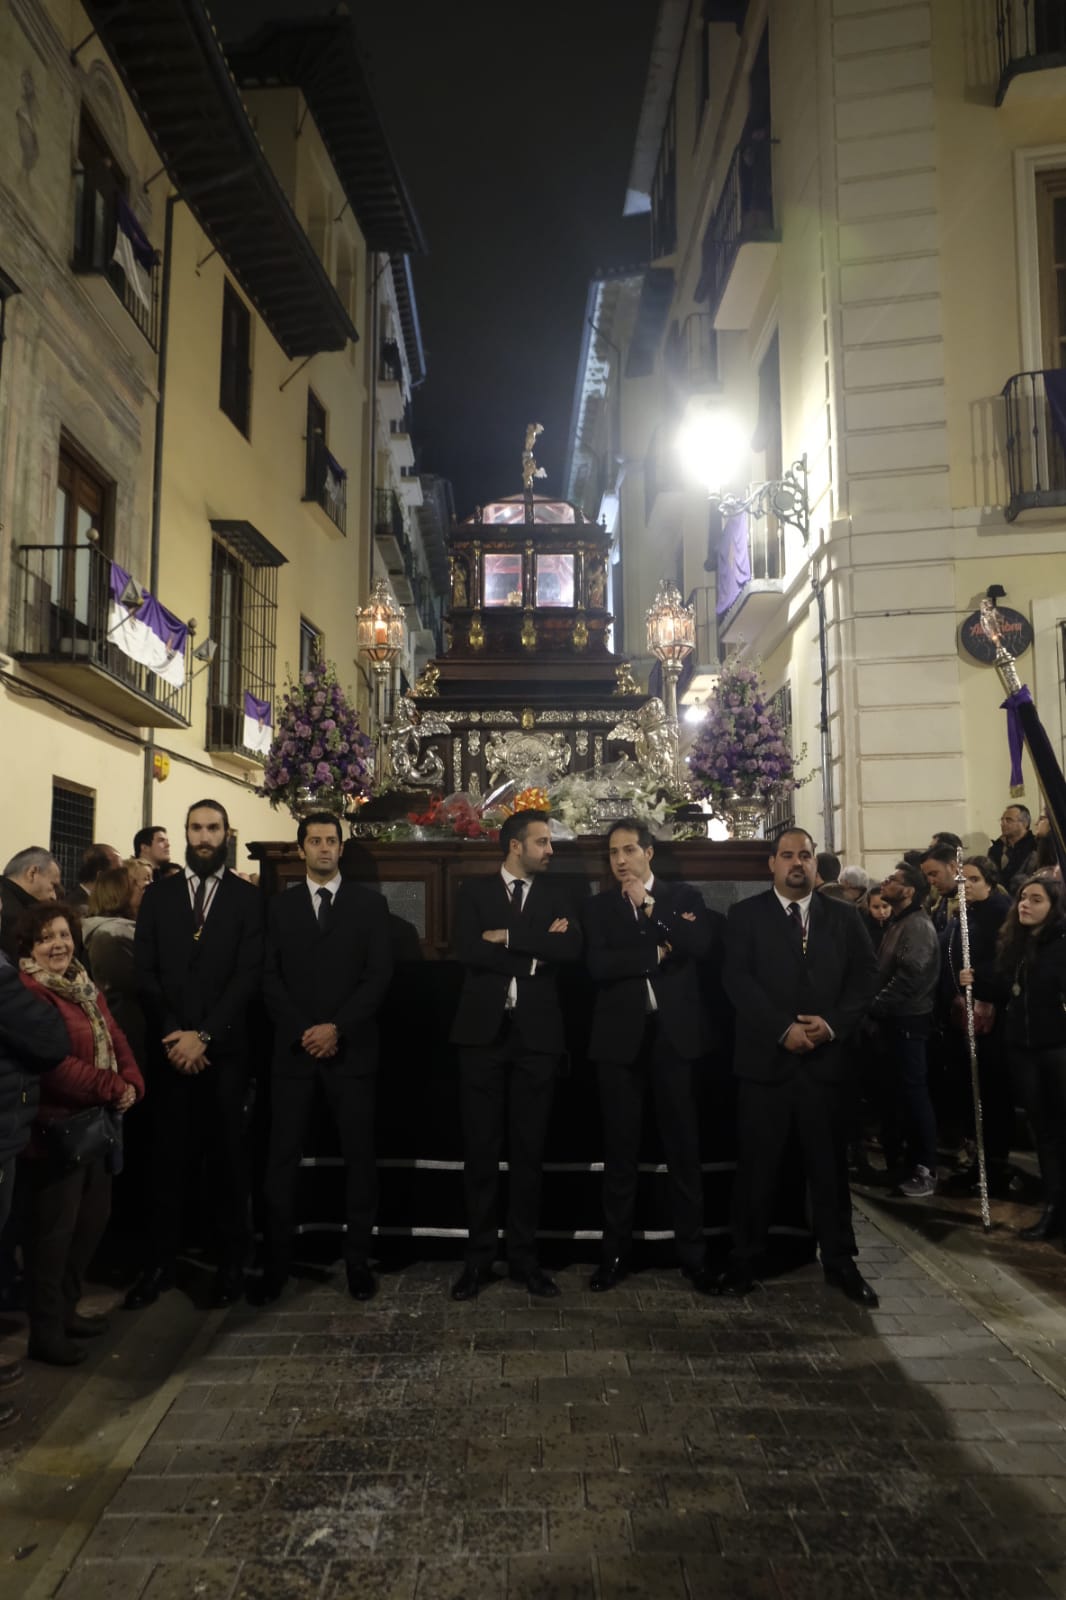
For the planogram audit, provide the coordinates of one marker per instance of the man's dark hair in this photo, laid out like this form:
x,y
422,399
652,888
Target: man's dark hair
x,y
208,805
786,833
1023,811
36,917
96,859
517,826
645,837
914,878
951,839
914,858
145,837
828,866
941,852
317,819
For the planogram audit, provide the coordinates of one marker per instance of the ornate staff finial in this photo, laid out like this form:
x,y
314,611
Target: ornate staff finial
x,y
530,470
992,628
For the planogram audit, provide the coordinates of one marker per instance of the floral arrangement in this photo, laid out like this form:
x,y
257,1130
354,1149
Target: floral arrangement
x,y
531,798
319,754
457,814
743,746
575,799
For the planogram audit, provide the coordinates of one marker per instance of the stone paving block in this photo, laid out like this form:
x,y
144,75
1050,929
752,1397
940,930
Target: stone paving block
x,y
105,1580
640,1452
904,1580
462,1578
202,1580
784,1490
640,1577
353,1455
535,1487
142,1496
579,1453
306,1491
370,1578
1017,1537
587,1532
1027,1426
622,1490
550,1577
266,1580
401,1532
539,1421
173,1538
249,1536
1025,1460
503,1532
676,1531
979,1580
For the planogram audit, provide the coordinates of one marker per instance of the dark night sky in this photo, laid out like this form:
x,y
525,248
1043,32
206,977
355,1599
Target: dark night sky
x,y
513,126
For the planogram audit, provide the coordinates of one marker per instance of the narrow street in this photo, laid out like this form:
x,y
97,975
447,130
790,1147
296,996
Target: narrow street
x,y
643,1443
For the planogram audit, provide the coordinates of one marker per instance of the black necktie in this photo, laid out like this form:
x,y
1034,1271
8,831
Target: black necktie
x,y
198,903
325,900
518,887
796,916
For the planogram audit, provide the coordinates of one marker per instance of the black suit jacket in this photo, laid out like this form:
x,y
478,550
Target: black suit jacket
x,y
336,974
770,982
484,903
206,983
623,953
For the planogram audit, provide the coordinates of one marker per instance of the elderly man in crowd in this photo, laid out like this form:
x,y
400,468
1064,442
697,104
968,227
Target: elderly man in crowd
x,y
1013,854
31,875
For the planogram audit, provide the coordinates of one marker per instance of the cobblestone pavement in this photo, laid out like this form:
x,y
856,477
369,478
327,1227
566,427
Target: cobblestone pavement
x,y
642,1443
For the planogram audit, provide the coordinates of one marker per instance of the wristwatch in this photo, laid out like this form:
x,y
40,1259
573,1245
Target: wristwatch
x,y
203,1036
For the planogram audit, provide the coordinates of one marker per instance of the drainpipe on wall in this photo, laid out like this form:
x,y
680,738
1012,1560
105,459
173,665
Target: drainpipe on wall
x,y
147,801
825,738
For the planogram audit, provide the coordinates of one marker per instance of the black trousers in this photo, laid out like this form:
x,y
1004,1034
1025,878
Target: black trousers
x,y
623,1087
766,1114
504,1087
351,1102
68,1212
194,1116
1041,1080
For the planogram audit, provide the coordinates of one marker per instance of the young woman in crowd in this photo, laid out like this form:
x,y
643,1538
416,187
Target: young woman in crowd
x,y
69,1203
986,910
877,911
1032,966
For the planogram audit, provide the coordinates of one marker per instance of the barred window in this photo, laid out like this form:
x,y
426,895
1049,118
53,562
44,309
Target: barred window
x,y
73,825
244,605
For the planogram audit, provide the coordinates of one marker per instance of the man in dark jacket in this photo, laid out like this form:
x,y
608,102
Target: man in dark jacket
x,y
31,875
33,1038
198,950
511,931
908,973
645,939
328,966
1013,854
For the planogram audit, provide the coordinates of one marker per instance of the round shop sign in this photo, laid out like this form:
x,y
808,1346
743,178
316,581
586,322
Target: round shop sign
x,y
1016,632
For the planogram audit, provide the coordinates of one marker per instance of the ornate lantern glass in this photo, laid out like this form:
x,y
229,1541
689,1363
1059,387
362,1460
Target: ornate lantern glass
x,y
671,625
380,625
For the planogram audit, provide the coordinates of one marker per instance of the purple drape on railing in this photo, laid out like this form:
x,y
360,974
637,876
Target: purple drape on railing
x,y
734,560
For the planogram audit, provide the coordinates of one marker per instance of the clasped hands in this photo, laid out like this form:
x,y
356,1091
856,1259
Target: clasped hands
x,y
499,935
806,1034
322,1041
186,1051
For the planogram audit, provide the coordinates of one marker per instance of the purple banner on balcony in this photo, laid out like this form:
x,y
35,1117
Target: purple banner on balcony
x,y
258,724
133,252
1055,389
144,630
734,561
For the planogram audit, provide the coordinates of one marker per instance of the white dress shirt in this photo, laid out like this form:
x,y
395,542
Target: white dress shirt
x,y
211,883
651,1004
333,886
509,878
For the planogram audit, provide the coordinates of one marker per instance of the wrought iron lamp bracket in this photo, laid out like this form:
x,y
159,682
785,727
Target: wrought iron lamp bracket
x,y
786,498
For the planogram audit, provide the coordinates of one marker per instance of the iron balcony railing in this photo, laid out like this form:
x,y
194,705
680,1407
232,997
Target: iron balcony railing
x,y
1036,429
91,259
391,368
326,482
388,515
1030,35
61,616
744,215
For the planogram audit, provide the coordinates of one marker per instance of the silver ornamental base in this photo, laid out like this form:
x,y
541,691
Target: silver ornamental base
x,y
744,815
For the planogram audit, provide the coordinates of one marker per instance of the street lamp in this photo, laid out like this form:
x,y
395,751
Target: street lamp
x,y
671,638
710,446
380,636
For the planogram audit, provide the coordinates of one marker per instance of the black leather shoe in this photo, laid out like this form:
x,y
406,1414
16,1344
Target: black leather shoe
x,y
608,1275
228,1287
702,1279
537,1282
734,1278
362,1284
153,1282
1049,1226
86,1327
56,1352
271,1285
469,1283
10,1374
845,1275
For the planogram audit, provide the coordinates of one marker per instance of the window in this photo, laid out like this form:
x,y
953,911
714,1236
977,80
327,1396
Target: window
x,y
310,645
1051,255
325,480
99,180
664,191
244,588
73,826
80,529
767,536
235,388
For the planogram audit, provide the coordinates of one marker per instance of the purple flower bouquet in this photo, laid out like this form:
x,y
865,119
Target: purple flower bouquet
x,y
743,747
320,755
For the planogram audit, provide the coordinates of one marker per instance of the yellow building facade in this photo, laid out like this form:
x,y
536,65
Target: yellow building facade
x,y
205,424
853,209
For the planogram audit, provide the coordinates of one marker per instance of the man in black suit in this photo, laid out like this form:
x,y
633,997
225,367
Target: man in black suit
x,y
645,940
328,965
800,970
511,931
199,955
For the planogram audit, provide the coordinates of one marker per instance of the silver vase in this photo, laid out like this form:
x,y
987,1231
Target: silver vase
x,y
743,814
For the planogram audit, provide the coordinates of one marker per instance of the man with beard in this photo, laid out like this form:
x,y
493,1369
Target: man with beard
x,y
511,931
800,970
199,956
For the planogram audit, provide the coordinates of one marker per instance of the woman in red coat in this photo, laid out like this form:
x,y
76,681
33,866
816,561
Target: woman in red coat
x,y
69,1205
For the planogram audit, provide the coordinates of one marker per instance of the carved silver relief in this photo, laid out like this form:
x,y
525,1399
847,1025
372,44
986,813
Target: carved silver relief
x,y
505,719
520,755
457,764
412,766
473,742
582,742
597,750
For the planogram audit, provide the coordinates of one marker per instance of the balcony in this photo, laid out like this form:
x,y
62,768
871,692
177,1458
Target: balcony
x,y
1031,38
750,564
394,546
1036,430
410,486
403,451
390,383
92,261
326,482
741,244
65,627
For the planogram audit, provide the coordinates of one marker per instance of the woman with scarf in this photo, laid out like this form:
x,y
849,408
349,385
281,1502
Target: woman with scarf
x,y
69,1204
